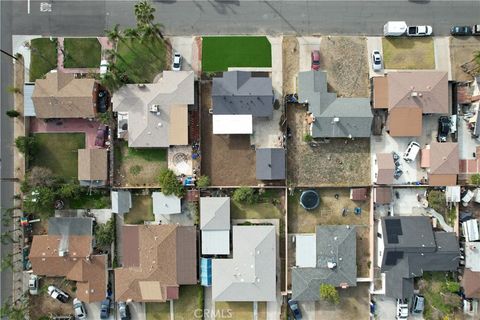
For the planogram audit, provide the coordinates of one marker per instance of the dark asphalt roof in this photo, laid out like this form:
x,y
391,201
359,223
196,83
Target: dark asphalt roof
x,y
270,163
70,226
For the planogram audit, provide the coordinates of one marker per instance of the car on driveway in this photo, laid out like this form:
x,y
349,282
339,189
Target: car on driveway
x,y
58,294
177,62
443,129
33,284
102,136
315,60
105,309
124,311
461,31
376,60
79,308
297,314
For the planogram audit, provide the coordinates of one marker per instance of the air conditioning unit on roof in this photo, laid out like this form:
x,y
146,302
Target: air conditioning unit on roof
x,y
155,108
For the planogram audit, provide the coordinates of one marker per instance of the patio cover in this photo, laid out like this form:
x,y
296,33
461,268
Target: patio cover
x,y
305,250
232,124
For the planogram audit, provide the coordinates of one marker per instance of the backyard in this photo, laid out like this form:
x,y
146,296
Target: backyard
x,y
98,199
239,310
138,167
141,60
353,304
408,53
270,206
228,160
42,304
142,210
220,53
338,162
82,53
58,152
157,310
43,57
462,51
190,300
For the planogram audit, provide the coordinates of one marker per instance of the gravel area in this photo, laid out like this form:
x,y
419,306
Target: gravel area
x,y
462,51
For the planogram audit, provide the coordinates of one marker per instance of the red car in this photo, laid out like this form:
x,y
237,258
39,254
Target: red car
x,y
315,60
102,135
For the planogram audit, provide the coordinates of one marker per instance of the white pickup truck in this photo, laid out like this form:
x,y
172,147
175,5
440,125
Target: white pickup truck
x,y
419,31
402,309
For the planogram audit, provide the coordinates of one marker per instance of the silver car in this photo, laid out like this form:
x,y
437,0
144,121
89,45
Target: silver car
x,y
33,284
376,60
79,308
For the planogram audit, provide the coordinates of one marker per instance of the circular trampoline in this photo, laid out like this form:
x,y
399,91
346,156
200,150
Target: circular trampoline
x,y
309,199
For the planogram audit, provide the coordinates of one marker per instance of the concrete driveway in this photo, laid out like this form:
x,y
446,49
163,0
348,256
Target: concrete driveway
x,y
93,310
137,311
386,307
308,310
307,45
374,43
184,46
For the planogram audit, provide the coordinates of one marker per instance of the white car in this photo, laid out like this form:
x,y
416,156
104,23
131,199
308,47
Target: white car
x,y
177,62
58,294
419,31
376,60
79,308
103,67
33,284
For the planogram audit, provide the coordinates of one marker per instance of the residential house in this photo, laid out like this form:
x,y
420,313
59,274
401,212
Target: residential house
x,y
329,116
155,115
121,201
407,247
165,205
407,95
237,98
471,273
215,225
442,162
157,260
67,252
93,167
61,95
270,164
327,257
385,168
250,275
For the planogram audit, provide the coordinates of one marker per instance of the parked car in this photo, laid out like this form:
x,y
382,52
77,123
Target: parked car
x,y
58,294
419,31
315,60
418,304
476,30
102,101
33,284
102,135
402,309
461,31
376,60
79,308
411,152
443,129
394,28
297,314
124,311
103,67
105,309
177,62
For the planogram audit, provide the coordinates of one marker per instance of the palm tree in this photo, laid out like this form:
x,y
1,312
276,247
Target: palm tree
x,y
13,312
115,34
131,33
144,12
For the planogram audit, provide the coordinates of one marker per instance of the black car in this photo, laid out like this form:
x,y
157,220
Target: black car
x,y
443,129
461,31
102,101
297,314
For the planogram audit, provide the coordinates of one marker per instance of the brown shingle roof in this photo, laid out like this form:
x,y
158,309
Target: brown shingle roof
x,y
92,164
386,168
358,194
78,264
165,256
471,283
380,92
405,122
60,95
382,195
444,164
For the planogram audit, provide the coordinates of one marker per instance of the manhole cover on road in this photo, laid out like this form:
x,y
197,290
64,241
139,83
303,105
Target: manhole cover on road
x,y
179,158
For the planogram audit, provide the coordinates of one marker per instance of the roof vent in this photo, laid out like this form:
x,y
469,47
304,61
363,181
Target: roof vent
x,y
335,120
155,108
331,265
62,253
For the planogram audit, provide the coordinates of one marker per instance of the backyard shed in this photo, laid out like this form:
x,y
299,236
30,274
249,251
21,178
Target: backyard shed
x,y
382,195
163,204
215,225
385,168
270,163
305,250
121,201
358,194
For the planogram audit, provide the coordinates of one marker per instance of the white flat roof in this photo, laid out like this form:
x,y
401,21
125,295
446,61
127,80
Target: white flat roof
x,y
472,256
232,124
306,250
216,242
163,204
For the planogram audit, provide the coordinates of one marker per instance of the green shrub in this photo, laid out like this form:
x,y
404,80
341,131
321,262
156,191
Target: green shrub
x,y
105,233
451,286
475,179
329,293
203,181
26,145
245,195
307,137
12,113
135,170
170,183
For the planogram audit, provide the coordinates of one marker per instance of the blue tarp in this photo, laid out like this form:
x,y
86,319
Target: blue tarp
x,y
206,272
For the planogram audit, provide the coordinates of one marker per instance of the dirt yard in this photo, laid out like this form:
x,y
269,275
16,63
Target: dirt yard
x,y
228,160
353,304
290,63
341,162
345,60
407,53
462,50
43,305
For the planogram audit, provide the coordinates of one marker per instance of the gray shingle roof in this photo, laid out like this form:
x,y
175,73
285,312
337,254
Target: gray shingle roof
x,y
270,163
70,226
121,201
237,92
354,115
412,247
215,213
336,244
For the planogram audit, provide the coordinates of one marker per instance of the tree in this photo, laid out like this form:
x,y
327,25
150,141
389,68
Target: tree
x,y
12,113
203,181
475,179
144,12
245,194
41,177
115,34
7,262
69,190
170,183
40,200
13,312
26,144
329,293
105,233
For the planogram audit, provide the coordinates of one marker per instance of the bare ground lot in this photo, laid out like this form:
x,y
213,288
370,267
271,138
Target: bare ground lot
x,y
341,162
290,63
345,60
228,160
462,50
353,304
43,305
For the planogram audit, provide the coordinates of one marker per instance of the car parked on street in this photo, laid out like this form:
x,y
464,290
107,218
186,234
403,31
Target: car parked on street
x,y
419,31
443,128
58,294
297,314
105,309
33,284
177,62
315,60
461,31
124,311
79,308
376,60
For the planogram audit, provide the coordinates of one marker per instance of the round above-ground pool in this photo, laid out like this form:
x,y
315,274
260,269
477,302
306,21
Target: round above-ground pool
x,y
309,199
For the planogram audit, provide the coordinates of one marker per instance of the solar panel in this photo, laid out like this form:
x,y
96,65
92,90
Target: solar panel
x,y
393,257
394,229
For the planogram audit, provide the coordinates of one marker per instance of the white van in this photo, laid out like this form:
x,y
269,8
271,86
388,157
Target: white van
x,y
395,28
411,152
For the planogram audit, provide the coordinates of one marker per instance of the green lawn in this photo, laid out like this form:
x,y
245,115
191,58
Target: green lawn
x,y
220,53
43,57
191,299
142,210
96,200
408,53
59,152
234,310
440,302
141,61
82,53
266,208
158,310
